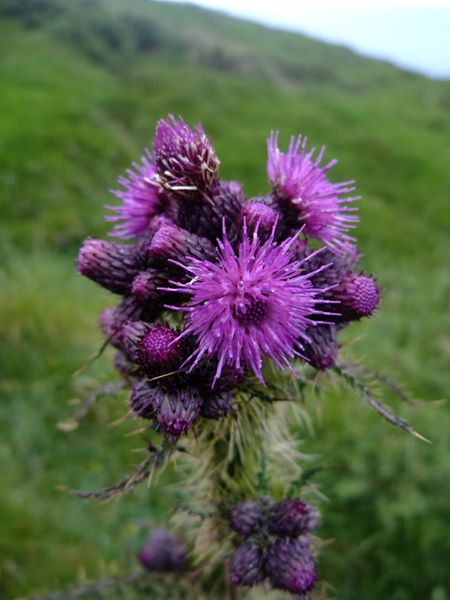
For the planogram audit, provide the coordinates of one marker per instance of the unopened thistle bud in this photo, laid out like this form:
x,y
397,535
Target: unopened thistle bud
x,y
172,243
246,517
146,284
111,265
154,347
145,400
179,411
163,552
292,517
290,564
358,295
246,565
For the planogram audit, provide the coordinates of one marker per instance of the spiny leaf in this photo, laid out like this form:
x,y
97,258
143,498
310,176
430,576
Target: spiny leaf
x,y
143,472
349,372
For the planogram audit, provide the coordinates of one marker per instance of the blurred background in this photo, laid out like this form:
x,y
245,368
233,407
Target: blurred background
x,y
82,84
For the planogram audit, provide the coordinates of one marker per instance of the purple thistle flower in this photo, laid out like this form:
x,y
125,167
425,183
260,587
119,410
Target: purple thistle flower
x,y
246,517
185,158
178,411
250,304
305,194
292,517
290,564
141,200
163,552
145,400
358,296
113,266
216,405
246,565
321,351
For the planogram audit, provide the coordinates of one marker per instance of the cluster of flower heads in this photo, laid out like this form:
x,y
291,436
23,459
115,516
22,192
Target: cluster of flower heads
x,y
239,276
277,544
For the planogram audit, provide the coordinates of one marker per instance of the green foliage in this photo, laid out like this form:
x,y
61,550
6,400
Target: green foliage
x,y
81,86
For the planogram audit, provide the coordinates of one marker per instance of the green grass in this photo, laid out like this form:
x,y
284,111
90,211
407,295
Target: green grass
x,y
77,104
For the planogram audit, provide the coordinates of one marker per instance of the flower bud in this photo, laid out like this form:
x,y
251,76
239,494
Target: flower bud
x,y
179,411
145,400
111,265
146,284
358,295
290,565
246,517
163,552
171,242
246,565
154,347
292,517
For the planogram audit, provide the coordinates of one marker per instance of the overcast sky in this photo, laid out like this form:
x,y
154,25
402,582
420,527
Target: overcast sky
x,y
411,33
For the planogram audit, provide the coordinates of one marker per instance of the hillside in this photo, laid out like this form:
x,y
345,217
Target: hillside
x,y
82,84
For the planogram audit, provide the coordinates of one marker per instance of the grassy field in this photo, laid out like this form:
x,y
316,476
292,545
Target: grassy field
x,y
81,87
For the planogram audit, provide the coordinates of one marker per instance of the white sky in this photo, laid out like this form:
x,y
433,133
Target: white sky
x,y
411,33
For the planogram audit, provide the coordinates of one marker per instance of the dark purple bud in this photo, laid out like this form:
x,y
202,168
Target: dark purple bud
x,y
171,242
358,295
105,321
206,216
146,284
185,159
111,265
246,517
235,188
145,400
246,565
179,411
217,405
129,309
292,517
123,365
163,552
290,564
257,214
322,351
154,347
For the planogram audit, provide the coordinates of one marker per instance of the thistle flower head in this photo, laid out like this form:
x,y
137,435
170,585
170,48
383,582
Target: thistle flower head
x,y
290,564
358,295
292,517
246,517
163,552
249,304
306,196
141,200
246,565
185,158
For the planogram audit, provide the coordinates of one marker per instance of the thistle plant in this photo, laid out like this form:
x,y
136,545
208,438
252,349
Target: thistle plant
x,y
228,309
